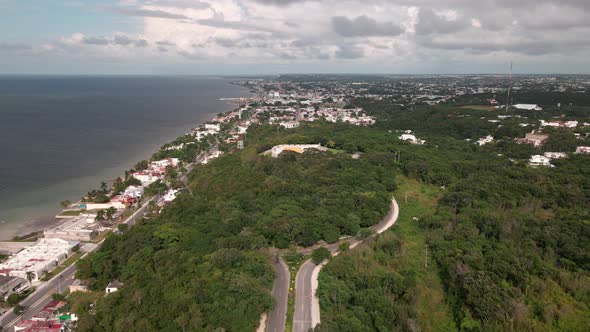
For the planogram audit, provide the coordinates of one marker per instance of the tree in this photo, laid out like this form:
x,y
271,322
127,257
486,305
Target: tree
x,y
100,215
103,187
122,227
65,203
13,299
30,276
365,233
319,255
110,212
18,309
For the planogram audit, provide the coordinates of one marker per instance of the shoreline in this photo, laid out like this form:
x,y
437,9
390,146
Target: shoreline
x,y
37,224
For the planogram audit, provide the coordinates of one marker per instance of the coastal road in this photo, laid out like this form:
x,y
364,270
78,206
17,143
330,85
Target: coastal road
x,y
307,307
39,298
280,292
42,295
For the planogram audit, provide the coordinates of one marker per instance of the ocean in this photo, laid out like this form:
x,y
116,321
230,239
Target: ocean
x,y
61,136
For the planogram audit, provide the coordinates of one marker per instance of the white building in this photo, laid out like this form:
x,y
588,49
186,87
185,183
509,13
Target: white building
x,y
555,155
538,160
146,178
80,228
289,124
113,286
583,149
485,140
528,107
170,195
173,162
412,139
216,127
133,191
38,259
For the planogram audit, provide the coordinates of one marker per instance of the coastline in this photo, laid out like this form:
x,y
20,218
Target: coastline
x,y
38,223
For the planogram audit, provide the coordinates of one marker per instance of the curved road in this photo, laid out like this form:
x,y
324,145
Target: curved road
x,y
307,307
280,293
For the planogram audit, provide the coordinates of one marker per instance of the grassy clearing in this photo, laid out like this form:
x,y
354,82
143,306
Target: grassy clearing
x,y
70,213
433,313
71,260
478,107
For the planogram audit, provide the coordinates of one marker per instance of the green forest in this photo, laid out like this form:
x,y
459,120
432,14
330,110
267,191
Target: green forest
x,y
510,243
506,244
205,259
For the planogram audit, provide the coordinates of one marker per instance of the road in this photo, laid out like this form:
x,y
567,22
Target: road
x,y
280,292
303,297
42,295
307,308
39,298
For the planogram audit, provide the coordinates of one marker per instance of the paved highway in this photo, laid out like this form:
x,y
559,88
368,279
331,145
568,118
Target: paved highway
x,y
280,292
307,308
42,295
39,298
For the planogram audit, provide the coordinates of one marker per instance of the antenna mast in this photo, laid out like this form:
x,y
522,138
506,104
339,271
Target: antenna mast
x,y
509,87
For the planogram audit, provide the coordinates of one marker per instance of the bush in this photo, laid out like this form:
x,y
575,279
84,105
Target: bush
x,y
319,255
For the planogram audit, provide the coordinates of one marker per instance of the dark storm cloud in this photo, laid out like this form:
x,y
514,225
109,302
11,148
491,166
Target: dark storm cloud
x,y
363,26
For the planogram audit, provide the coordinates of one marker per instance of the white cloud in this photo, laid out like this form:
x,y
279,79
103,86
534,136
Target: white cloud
x,y
345,31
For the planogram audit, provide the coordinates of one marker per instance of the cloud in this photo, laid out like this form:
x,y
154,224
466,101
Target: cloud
x,y
148,13
96,40
15,47
361,32
430,22
349,52
279,3
363,26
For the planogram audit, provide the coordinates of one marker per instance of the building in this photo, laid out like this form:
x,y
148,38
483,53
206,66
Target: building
x,y
408,137
79,286
485,140
240,141
167,162
298,148
147,177
170,196
80,228
555,155
113,286
133,192
527,107
10,285
289,124
538,160
583,149
39,326
535,139
39,259
216,127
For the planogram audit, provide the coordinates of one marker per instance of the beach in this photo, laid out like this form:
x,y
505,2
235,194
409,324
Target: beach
x,y
92,145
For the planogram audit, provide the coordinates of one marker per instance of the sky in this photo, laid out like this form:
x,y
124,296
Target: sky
x,y
254,37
